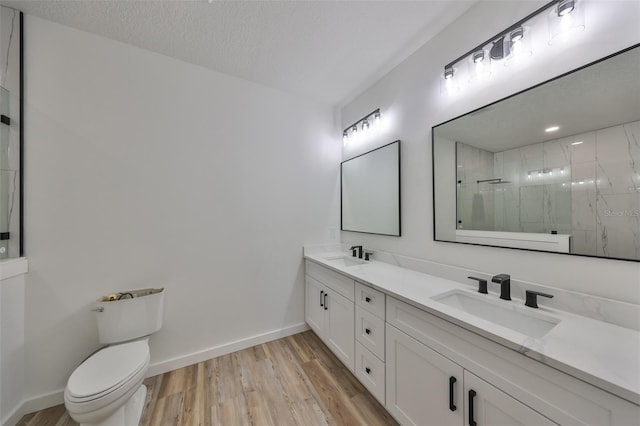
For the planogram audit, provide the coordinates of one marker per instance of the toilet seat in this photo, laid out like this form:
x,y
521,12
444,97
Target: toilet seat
x,y
106,377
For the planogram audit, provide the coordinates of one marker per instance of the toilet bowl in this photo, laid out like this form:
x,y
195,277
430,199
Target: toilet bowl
x,y
106,389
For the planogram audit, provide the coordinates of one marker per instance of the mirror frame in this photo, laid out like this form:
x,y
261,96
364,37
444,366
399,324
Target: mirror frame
x,y
399,234
433,159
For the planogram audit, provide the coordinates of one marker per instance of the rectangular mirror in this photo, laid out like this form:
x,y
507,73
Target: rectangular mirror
x,y
553,168
370,192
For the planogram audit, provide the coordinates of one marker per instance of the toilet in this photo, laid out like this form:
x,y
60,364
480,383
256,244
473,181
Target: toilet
x,y
106,389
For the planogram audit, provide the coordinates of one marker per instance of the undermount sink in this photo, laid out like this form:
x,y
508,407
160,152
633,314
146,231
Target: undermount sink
x,y
502,313
344,260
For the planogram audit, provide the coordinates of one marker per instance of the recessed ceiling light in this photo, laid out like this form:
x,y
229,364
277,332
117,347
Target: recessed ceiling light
x,y
552,129
576,143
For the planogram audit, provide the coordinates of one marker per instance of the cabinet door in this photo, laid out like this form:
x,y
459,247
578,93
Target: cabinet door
x,y
423,387
339,332
313,307
487,405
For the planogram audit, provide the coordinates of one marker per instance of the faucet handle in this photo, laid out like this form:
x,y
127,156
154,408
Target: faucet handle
x,y
500,278
482,284
367,255
531,298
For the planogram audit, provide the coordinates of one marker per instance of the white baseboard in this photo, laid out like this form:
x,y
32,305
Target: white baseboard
x,y
34,404
57,397
227,348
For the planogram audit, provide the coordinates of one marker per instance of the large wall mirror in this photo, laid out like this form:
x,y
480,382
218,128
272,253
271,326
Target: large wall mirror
x,y
370,192
553,168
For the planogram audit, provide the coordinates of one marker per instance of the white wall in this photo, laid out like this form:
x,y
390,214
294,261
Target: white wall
x,y
146,171
411,103
11,344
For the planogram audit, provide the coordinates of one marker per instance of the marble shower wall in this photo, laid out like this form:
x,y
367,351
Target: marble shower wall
x,y
587,185
538,199
10,134
605,191
617,166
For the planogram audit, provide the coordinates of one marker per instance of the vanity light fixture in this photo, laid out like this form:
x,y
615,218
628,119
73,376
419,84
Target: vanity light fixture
x,y
513,43
363,125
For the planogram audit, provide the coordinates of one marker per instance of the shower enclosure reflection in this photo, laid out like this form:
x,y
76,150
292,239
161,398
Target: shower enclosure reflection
x,y
498,191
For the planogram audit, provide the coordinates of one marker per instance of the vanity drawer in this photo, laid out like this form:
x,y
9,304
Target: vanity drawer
x,y
370,332
371,372
335,281
370,299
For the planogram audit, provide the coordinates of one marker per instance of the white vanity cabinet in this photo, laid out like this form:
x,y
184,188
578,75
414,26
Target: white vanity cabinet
x,y
370,338
484,404
423,387
504,387
330,311
429,371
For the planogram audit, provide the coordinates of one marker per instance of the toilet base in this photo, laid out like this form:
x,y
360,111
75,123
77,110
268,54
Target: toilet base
x,y
127,415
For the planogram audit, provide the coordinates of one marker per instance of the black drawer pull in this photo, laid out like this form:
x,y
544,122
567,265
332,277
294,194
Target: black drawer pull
x,y
366,330
321,293
368,370
325,302
452,381
367,299
472,395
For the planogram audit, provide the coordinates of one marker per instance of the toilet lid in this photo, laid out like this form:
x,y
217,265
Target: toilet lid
x,y
108,368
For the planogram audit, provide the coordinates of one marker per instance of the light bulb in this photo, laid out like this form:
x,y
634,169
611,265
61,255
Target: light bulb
x,y
448,73
565,7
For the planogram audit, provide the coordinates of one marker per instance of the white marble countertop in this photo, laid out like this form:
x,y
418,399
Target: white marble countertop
x,y
602,354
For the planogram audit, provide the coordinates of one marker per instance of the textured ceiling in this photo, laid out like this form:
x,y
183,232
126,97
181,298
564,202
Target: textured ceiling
x,y
325,50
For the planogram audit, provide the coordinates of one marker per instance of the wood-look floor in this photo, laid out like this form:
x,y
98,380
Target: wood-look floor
x,y
291,381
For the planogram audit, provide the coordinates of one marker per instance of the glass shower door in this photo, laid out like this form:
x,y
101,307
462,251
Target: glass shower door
x,y
6,176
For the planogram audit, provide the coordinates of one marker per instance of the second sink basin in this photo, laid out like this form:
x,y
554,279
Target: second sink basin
x,y
344,260
520,319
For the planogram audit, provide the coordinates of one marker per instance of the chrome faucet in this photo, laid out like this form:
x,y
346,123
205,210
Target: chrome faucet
x,y
358,250
505,285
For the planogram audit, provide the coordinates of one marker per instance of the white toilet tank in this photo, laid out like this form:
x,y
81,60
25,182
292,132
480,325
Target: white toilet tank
x,y
134,314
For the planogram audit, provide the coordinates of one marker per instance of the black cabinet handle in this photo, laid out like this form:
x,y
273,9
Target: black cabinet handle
x,y
367,369
366,330
321,293
325,302
452,381
472,395
367,299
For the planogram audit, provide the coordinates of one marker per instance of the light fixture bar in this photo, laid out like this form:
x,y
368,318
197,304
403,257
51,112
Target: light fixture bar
x,y
366,119
503,33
